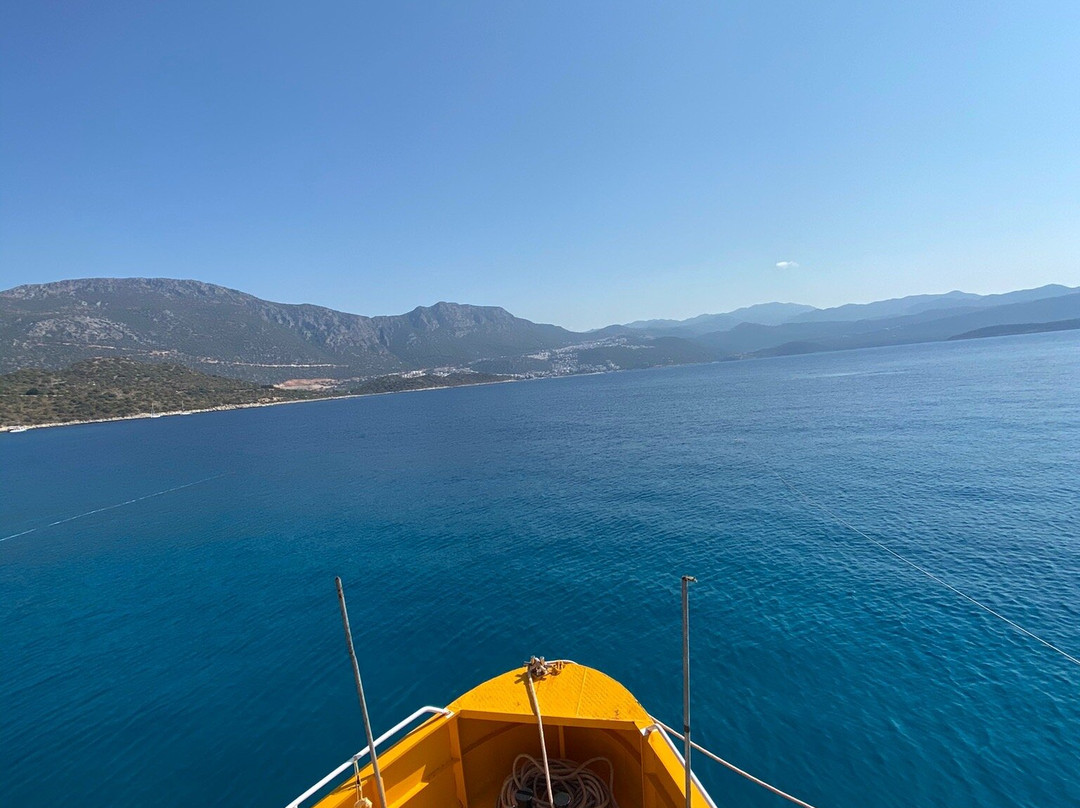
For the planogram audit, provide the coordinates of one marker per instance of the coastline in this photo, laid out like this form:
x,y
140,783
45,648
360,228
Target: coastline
x,y
226,407
19,428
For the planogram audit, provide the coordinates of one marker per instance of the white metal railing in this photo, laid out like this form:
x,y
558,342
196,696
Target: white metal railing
x,y
658,727
666,732
352,761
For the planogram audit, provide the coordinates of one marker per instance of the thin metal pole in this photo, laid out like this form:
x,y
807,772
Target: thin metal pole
x,y
686,581
360,693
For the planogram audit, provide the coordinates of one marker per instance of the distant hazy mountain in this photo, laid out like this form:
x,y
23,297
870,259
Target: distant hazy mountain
x,y
925,326
916,304
762,314
773,314
231,333
1020,328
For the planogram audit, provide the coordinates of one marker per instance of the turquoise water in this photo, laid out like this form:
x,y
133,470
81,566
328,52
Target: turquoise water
x,y
185,647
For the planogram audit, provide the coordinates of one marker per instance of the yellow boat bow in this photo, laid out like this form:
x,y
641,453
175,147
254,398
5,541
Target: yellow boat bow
x,y
484,751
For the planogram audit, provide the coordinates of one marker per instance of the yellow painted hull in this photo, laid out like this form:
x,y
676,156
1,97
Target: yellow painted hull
x,y
461,760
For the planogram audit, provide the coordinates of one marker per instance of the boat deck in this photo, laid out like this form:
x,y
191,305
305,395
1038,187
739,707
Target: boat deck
x,y
463,759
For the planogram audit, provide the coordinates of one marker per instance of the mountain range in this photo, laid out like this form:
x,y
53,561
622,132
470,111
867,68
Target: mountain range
x,y
230,333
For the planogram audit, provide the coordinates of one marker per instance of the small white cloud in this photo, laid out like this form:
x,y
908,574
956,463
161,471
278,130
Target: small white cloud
x,y
786,265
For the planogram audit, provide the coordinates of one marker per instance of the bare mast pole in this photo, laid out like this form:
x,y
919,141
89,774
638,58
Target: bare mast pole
x,y
360,694
686,581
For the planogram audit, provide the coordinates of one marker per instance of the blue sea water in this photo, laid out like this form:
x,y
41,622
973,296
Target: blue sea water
x,y
184,648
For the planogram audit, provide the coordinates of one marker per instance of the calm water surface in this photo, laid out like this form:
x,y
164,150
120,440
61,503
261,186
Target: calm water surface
x,y
185,647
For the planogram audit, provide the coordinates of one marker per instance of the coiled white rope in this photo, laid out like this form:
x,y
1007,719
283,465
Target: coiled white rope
x,y
583,787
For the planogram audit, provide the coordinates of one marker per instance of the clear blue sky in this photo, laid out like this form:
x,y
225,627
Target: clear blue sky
x,y
577,163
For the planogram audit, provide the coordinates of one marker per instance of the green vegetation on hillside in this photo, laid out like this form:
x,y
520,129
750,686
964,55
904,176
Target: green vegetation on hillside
x,y
114,388
400,384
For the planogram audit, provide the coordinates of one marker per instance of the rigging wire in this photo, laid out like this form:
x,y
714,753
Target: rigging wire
x,y
111,507
733,767
839,519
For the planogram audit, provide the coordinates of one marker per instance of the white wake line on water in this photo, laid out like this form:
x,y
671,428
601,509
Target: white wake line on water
x,y
809,500
110,507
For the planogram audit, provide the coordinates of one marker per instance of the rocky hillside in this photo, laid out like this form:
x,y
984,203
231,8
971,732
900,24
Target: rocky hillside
x,y
227,332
